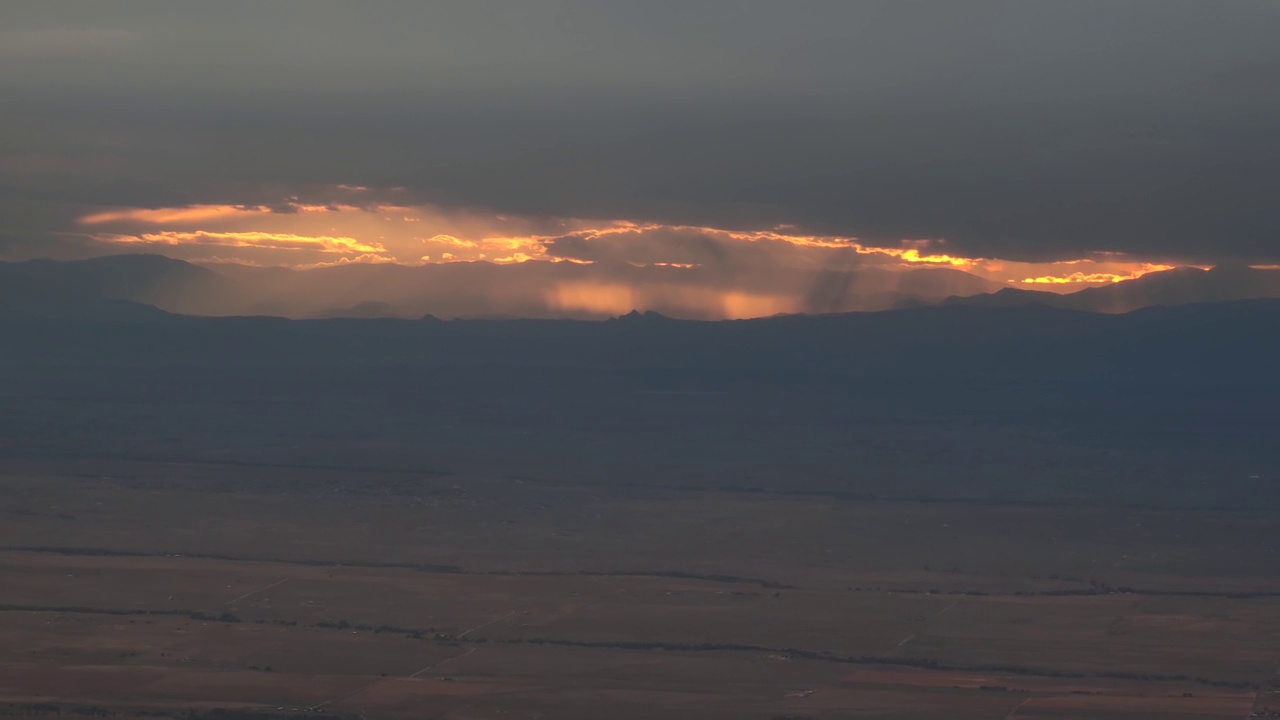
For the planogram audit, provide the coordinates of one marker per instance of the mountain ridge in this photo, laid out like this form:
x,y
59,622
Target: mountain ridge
x,y
562,290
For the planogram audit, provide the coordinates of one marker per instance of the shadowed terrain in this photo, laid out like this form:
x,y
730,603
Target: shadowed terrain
x,y
992,512
1166,406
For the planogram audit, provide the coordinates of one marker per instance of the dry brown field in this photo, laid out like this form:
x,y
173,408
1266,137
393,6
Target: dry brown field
x,y
220,592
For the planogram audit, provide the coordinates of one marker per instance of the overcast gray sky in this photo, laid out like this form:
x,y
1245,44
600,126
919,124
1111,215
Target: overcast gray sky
x,y
1025,130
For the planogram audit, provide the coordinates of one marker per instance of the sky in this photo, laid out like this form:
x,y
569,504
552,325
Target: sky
x,y
1040,144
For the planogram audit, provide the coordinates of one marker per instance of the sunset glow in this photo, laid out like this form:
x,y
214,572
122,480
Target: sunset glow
x,y
251,239
597,298
396,234
169,216
1093,278
604,358
613,299
706,271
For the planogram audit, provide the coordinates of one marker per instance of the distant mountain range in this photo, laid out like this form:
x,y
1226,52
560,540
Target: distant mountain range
x,y
1161,406
148,286
1180,286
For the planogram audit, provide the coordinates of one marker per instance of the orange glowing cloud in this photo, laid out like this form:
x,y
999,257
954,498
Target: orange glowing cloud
x,y
456,235
912,255
363,259
164,216
395,232
265,240
1094,278
517,257
502,250
911,251
451,241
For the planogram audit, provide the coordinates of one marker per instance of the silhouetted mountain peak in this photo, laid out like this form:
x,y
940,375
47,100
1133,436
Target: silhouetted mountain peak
x,y
1007,297
637,316
172,285
1181,286
79,309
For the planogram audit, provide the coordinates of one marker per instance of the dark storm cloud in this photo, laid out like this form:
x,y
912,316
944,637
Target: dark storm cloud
x,y
1025,130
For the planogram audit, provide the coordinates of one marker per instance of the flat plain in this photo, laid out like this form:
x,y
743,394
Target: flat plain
x,y
205,590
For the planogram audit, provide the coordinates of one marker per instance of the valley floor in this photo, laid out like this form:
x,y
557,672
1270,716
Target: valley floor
x,y
213,592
